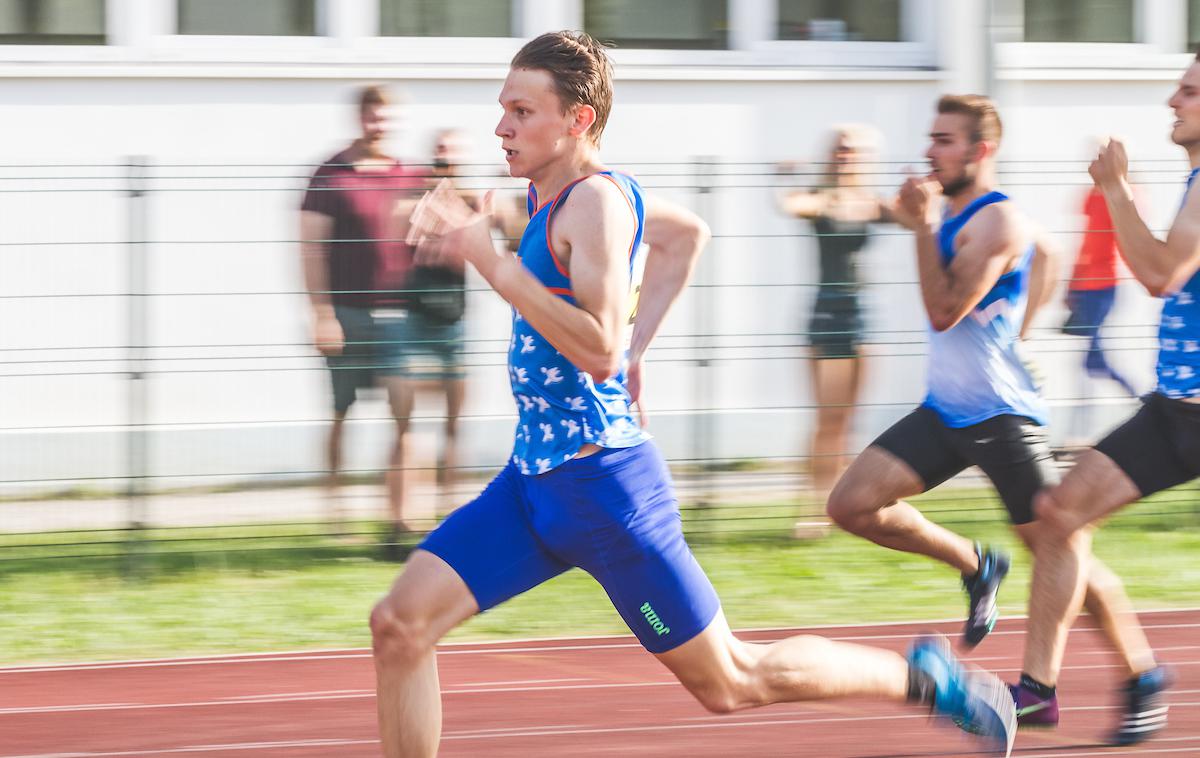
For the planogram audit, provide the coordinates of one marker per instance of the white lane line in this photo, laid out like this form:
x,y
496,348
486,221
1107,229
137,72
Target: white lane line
x,y
227,747
478,688
197,704
523,681
536,644
241,698
310,697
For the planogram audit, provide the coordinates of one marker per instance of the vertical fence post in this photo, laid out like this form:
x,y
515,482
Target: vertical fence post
x,y
702,427
136,334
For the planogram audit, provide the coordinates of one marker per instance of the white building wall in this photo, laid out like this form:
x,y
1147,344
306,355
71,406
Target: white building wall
x,y
210,107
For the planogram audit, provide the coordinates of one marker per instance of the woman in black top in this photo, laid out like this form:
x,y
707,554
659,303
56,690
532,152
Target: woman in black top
x,y
841,210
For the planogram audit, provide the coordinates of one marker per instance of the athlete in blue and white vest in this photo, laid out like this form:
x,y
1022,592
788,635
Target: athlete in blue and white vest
x,y
561,408
1159,447
585,487
984,271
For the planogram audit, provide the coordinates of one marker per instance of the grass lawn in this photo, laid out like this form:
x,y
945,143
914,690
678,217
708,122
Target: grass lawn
x,y
65,597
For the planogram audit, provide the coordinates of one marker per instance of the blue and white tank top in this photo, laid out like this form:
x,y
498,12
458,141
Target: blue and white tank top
x,y
1179,336
559,407
975,368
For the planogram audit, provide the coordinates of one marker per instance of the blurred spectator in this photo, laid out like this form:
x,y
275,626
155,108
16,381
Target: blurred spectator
x,y
841,209
1090,297
437,306
355,265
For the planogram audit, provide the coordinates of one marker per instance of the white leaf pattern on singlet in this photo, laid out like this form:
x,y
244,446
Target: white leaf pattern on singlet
x,y
576,404
547,432
527,344
542,403
1170,345
572,427
521,374
526,401
553,375
543,465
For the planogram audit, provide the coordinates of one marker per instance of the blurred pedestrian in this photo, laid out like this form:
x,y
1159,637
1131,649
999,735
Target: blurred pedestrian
x,y
436,316
841,210
355,264
1090,297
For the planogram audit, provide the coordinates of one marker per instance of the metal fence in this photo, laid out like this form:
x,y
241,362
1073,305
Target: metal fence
x,y
160,383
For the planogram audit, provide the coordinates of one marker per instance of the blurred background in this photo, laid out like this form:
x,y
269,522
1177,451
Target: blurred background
x,y
160,387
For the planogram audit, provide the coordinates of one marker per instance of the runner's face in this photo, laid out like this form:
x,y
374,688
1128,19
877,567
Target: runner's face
x,y
952,153
533,131
1185,104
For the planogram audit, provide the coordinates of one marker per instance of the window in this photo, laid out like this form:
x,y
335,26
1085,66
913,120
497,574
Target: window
x,y
52,22
697,24
856,20
1193,25
289,18
446,18
1079,20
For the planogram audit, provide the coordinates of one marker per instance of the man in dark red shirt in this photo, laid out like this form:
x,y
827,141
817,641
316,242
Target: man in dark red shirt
x,y
355,266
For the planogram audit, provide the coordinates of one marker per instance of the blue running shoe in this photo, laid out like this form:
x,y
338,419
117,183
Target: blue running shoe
x,y
1145,707
982,590
976,702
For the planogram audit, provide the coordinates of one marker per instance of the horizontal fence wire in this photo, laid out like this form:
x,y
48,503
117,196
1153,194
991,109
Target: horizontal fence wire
x,y
127,479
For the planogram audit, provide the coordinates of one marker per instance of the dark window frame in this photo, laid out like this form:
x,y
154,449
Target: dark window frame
x,y
720,41
304,10
900,29
512,31
31,10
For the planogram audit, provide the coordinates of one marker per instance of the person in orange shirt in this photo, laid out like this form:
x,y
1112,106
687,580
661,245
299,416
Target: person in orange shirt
x,y
1093,288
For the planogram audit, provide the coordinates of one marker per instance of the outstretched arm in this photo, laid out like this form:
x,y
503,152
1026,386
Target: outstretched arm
x,y
1161,267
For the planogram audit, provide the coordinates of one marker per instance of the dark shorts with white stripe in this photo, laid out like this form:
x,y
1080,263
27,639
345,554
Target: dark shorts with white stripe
x,y
1012,451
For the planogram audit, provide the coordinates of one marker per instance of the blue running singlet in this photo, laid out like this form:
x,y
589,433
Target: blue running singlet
x,y
559,407
1179,336
975,369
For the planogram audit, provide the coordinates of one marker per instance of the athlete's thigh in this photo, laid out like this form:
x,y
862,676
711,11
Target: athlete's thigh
x,y
1015,454
430,593
1093,488
1151,448
491,545
910,457
614,515
708,658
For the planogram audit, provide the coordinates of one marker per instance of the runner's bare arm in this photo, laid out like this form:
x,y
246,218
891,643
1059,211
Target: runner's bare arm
x,y
990,241
593,231
676,237
1161,267
1043,277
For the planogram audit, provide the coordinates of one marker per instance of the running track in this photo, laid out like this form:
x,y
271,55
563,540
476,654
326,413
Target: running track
x,y
583,697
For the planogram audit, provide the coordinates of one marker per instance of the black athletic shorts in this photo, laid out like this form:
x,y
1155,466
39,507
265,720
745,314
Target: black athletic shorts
x,y
1011,450
837,326
1159,447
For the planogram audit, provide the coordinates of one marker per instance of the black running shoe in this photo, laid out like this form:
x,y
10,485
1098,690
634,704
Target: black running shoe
x,y
1145,707
982,589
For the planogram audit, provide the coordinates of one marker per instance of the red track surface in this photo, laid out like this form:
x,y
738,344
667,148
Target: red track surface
x,y
588,697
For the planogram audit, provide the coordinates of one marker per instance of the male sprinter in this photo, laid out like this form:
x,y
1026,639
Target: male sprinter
x,y
982,407
1157,449
585,487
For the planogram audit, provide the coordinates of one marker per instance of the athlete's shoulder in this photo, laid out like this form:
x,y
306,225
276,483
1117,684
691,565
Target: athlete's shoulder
x,y
595,195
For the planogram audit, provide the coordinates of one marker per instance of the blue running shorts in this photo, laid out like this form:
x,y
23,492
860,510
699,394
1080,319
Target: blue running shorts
x,y
612,514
